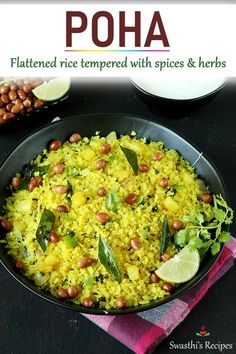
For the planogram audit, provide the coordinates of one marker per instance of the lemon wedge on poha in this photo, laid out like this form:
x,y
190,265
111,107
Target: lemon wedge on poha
x,y
181,268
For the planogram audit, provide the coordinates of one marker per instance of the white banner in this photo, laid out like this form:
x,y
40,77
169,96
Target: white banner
x,y
118,40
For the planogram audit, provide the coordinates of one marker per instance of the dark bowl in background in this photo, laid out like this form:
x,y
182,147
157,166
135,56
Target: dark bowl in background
x,y
87,125
172,107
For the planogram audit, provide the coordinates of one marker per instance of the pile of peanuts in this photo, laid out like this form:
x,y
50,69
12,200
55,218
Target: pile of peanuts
x,y
17,98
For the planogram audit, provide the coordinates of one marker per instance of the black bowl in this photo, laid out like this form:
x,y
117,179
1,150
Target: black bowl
x,y
174,108
16,122
105,123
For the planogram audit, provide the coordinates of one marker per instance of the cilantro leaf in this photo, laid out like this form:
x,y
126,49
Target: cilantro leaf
x,y
215,248
199,217
218,230
219,214
196,242
190,218
205,234
192,232
224,237
180,238
219,200
205,247
229,218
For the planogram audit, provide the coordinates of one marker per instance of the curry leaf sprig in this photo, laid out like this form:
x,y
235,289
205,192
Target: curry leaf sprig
x,y
44,228
132,158
165,236
199,234
108,260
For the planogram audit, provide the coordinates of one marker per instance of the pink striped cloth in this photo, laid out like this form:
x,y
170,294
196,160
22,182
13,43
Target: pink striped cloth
x,y
142,332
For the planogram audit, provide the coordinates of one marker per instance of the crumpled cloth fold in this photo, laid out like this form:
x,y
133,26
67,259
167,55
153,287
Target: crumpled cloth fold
x,y
143,332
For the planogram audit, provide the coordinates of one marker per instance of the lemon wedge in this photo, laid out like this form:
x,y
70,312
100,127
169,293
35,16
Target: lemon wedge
x,y
53,89
181,268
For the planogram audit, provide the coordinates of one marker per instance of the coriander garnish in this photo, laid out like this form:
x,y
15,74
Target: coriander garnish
x,y
199,236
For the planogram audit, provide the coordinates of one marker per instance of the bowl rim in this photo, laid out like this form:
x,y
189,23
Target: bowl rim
x,y
135,309
178,100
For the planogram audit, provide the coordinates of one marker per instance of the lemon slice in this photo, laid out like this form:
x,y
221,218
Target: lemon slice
x,y
53,89
181,268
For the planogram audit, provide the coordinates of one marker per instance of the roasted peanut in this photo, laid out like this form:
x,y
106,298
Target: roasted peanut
x,y
103,218
72,291
8,116
61,292
55,144
106,148
16,182
58,169
21,94
87,302
60,189
120,302
17,108
35,182
6,224
74,138
84,262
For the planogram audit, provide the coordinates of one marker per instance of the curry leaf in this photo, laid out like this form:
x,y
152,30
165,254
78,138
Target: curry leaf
x,y
29,172
70,239
165,236
45,227
41,170
112,201
108,259
131,158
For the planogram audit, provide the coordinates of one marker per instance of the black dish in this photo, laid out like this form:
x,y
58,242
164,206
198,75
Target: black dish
x,y
105,123
22,118
174,108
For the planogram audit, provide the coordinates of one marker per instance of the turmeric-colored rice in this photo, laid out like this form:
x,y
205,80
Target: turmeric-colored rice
x,y
57,267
